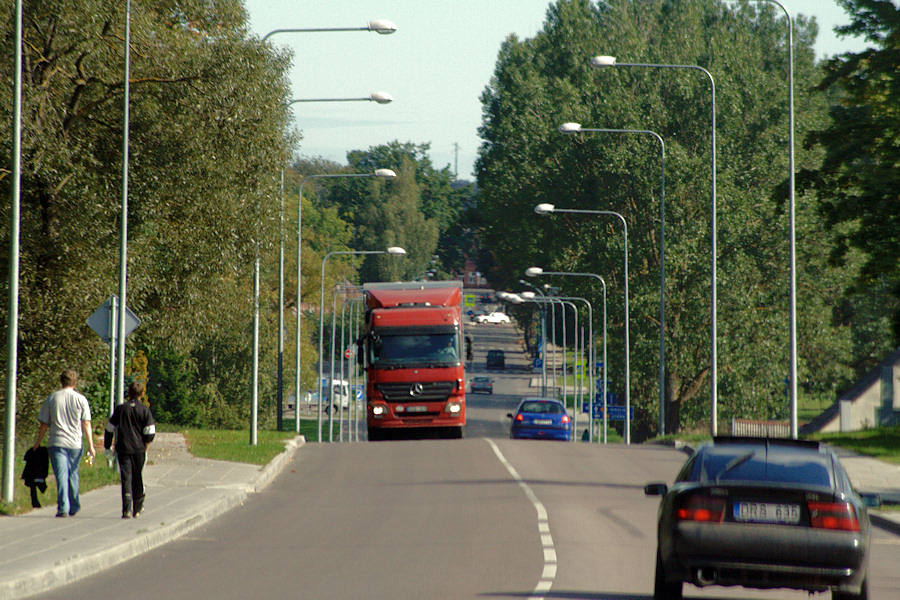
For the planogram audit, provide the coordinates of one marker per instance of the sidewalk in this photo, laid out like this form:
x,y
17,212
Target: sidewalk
x,y
39,552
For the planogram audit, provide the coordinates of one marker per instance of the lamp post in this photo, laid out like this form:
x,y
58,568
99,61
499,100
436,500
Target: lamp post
x,y
570,128
346,290
531,297
123,240
9,437
600,62
393,251
543,338
543,209
552,328
381,26
380,98
381,173
535,272
793,224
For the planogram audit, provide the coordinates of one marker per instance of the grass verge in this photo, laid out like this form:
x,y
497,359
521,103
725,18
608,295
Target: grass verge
x,y
882,443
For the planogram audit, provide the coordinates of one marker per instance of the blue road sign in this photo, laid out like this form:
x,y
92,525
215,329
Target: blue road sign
x,y
616,413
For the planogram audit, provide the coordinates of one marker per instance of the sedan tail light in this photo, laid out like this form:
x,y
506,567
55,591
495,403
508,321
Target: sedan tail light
x,y
565,419
833,515
701,508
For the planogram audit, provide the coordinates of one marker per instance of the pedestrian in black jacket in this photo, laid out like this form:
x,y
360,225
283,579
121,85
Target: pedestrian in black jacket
x,y
133,427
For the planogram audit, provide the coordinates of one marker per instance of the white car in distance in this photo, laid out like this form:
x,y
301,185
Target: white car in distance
x,y
494,317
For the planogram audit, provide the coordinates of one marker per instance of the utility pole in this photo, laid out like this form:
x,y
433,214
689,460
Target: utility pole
x,y
456,160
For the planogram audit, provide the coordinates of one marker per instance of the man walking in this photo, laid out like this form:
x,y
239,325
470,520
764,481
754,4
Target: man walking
x,y
66,414
133,426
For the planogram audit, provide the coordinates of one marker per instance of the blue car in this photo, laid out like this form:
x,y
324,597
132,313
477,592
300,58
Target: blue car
x,y
541,419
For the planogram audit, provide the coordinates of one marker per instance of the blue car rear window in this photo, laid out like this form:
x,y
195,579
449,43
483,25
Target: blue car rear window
x,y
810,470
542,407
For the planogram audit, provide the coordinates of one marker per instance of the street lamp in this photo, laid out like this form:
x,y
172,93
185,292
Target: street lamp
x,y
543,209
381,173
543,336
381,26
529,296
345,289
9,438
791,206
600,62
570,128
535,272
380,98
552,329
392,251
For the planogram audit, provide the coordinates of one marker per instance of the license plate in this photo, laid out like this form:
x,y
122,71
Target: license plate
x,y
543,422
763,512
416,409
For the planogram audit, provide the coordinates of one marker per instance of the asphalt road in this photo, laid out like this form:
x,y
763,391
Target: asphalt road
x,y
482,517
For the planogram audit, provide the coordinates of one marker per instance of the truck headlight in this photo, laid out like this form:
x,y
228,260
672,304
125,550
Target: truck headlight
x,y
379,410
453,408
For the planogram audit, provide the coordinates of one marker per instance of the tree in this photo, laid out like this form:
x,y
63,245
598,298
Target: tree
x,y
413,211
542,82
208,129
859,175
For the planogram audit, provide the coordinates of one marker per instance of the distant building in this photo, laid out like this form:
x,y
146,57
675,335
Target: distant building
x,y
471,276
873,401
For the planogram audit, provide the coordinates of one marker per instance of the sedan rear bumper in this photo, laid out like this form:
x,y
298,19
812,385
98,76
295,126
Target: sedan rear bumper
x,y
766,556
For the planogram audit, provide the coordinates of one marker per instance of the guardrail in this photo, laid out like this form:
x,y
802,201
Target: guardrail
x,y
760,429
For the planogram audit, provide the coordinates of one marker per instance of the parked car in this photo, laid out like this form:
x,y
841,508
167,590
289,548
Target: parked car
x,y
494,317
541,418
482,385
496,359
762,514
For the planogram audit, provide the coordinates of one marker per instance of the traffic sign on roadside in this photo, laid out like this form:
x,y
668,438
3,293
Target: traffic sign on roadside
x,y
104,320
616,412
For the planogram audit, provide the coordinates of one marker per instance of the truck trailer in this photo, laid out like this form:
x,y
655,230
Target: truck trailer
x,y
412,352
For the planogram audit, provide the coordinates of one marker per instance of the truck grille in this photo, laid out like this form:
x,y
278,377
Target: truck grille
x,y
431,391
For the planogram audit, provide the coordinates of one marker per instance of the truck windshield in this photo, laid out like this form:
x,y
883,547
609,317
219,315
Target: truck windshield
x,y
415,349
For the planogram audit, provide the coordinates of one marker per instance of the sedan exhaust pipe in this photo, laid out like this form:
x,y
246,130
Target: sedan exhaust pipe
x,y
705,576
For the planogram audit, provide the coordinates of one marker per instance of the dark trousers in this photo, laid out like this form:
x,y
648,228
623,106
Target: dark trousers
x,y
131,471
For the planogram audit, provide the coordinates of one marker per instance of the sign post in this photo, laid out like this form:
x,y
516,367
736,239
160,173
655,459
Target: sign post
x,y
105,322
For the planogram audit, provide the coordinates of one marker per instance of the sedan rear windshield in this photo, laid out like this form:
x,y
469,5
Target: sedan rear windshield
x,y
542,407
749,464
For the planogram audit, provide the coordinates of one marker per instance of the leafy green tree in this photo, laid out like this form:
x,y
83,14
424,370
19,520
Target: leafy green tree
x,y
859,175
208,129
413,212
542,82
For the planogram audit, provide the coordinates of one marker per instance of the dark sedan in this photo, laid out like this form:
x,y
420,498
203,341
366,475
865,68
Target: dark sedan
x,y
540,418
482,385
762,514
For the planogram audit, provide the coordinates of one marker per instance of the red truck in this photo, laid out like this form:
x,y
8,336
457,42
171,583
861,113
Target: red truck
x,y
412,354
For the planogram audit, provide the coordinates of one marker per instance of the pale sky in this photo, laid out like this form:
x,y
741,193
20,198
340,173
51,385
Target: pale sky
x,y
436,65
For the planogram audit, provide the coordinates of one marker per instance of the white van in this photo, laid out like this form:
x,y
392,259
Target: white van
x,y
340,393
